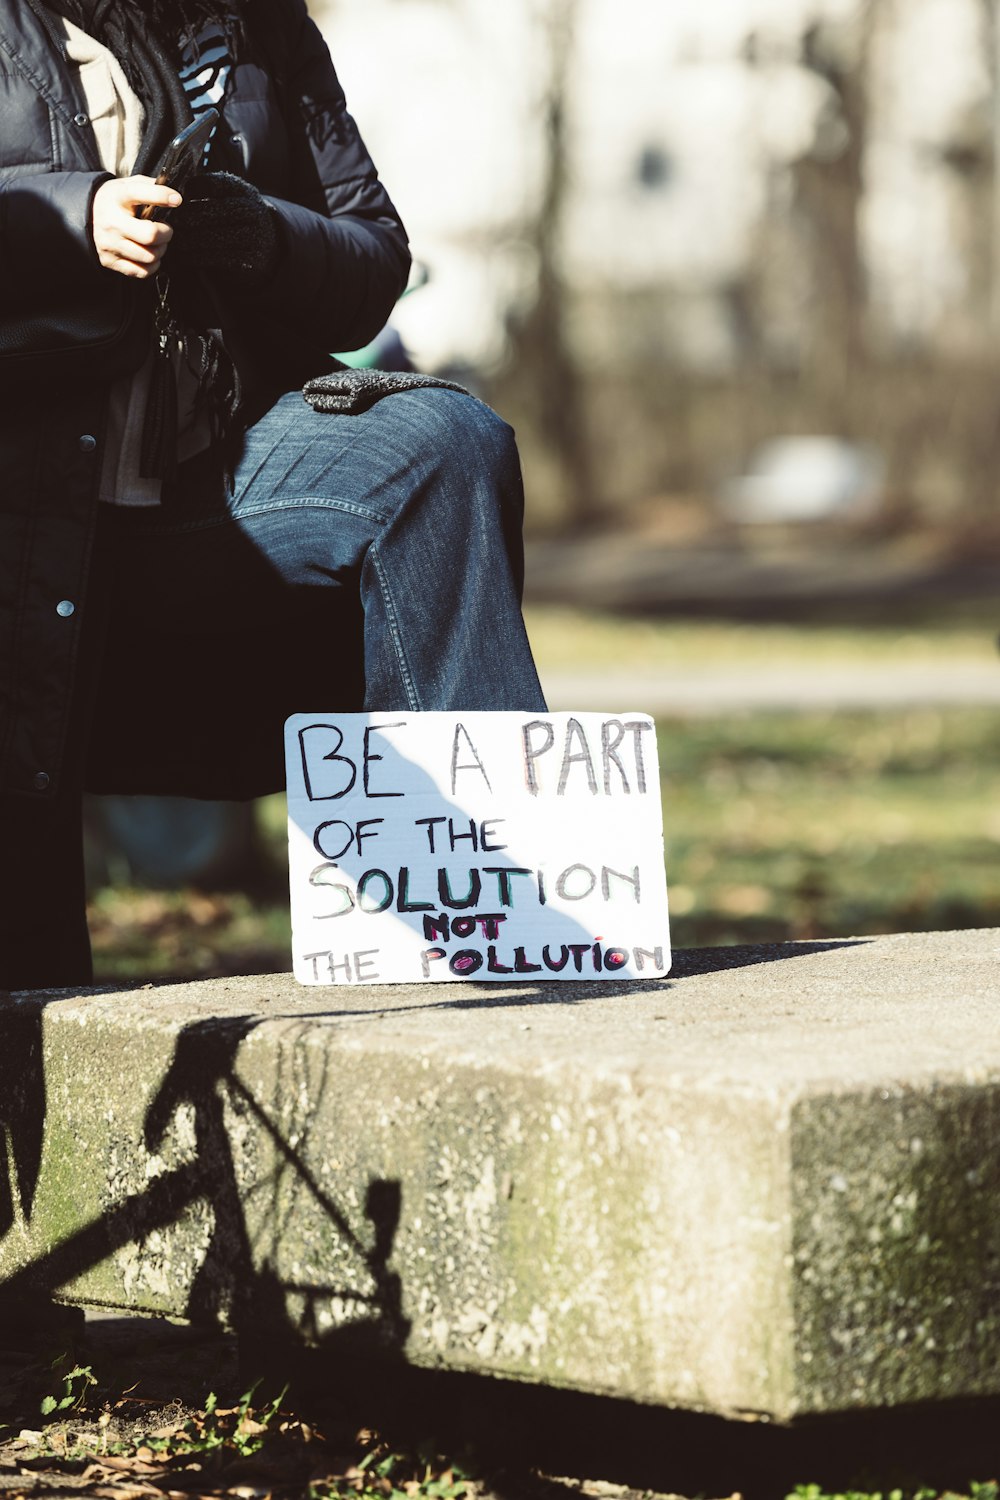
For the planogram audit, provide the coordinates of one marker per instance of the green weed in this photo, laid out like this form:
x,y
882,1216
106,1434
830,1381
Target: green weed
x,y
988,1490
387,1475
76,1386
238,1429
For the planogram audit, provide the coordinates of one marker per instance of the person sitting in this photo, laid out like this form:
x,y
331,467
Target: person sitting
x,y
189,552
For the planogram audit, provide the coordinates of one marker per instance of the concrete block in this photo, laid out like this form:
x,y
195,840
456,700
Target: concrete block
x,y
769,1184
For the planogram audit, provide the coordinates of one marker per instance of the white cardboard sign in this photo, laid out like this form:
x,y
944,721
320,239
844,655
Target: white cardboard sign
x,y
485,846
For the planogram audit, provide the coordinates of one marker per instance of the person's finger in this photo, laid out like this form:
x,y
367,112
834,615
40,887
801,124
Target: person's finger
x,y
127,267
119,254
149,232
122,245
134,192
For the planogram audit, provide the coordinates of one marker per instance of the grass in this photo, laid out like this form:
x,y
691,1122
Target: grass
x,y
778,825
828,824
988,1490
143,935
565,639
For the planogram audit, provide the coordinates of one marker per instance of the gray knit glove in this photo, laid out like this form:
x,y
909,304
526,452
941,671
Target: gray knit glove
x,y
225,224
345,392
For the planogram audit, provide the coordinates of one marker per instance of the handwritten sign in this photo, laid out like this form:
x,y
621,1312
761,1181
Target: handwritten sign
x,y
486,846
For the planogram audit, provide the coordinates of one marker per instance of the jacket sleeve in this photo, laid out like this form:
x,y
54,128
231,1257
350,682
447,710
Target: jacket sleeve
x,y
345,256
45,236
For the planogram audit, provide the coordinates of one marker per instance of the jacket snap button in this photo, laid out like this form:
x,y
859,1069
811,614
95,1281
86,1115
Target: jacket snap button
x,y
65,608
40,780
88,443
81,119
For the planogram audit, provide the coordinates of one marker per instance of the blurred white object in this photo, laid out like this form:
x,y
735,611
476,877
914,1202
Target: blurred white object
x,y
807,479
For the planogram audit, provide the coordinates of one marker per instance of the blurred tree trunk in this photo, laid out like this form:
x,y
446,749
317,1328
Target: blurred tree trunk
x,y
830,192
975,161
991,16
544,367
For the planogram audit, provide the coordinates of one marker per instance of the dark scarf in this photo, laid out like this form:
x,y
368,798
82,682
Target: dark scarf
x,y
151,64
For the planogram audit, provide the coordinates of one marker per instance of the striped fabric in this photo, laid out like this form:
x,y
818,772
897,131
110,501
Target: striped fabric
x,y
205,69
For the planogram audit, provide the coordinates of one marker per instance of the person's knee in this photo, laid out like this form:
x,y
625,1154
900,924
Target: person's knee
x,y
464,433
484,431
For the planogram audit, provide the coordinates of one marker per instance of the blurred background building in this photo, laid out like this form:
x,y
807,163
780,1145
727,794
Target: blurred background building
x,y
666,235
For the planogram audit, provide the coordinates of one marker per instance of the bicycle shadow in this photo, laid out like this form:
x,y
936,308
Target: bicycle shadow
x,y
22,1109
203,1112
240,1159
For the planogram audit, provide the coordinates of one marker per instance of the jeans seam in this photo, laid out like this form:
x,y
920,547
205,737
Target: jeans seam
x,y
316,502
395,632
233,517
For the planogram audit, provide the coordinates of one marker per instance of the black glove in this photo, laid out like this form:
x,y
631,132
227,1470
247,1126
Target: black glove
x,y
225,224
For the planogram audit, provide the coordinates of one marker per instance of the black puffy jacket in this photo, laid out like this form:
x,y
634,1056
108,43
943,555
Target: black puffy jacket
x,y
345,262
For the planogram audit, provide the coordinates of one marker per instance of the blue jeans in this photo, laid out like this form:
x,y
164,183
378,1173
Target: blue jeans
x,y
371,561
416,504
413,508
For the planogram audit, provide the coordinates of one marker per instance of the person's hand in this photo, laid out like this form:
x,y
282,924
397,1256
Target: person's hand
x,y
125,243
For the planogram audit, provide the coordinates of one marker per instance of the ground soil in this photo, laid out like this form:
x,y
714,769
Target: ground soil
x,y
152,1378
